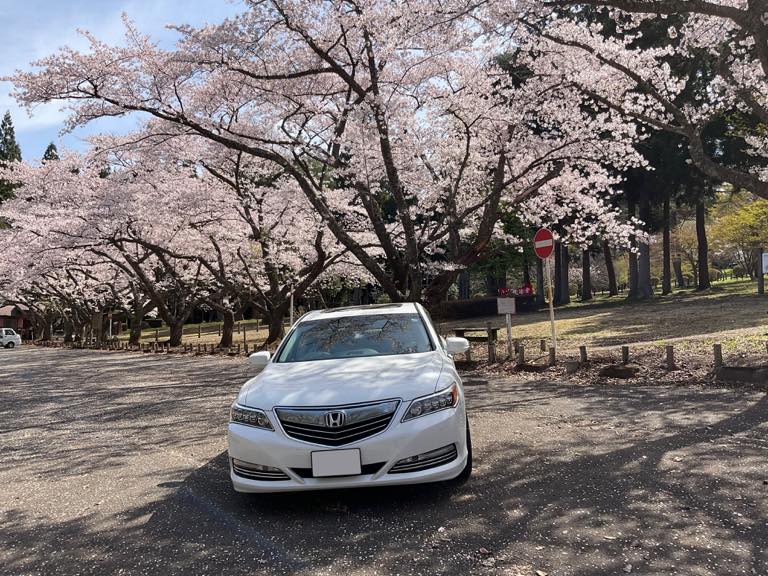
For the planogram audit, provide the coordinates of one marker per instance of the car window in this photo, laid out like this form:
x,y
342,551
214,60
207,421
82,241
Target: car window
x,y
9,332
355,337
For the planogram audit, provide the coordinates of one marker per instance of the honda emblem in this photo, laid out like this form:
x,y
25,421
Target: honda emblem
x,y
335,419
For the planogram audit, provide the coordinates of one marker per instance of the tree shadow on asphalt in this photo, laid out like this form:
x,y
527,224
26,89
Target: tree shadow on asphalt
x,y
584,480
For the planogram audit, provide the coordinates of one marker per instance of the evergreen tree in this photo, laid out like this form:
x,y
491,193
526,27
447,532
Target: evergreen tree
x,y
51,153
9,152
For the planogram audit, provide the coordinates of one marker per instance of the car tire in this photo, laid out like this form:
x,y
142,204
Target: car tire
x,y
10,345
467,470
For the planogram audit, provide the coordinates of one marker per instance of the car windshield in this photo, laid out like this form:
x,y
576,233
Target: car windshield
x,y
355,337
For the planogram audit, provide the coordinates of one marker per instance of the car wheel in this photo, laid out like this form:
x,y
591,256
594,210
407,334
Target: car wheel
x,y
10,345
467,471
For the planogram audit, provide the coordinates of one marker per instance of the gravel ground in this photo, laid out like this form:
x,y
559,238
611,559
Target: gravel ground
x,y
115,464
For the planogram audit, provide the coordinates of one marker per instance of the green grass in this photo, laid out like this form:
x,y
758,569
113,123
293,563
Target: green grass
x,y
730,308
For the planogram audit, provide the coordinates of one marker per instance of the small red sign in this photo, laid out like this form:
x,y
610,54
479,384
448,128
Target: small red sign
x,y
543,243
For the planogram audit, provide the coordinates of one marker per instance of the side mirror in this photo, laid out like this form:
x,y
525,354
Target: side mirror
x,y
456,345
259,359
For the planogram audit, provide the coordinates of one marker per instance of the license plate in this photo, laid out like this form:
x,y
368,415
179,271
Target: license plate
x,y
336,463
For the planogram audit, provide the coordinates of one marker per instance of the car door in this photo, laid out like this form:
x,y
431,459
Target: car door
x,y
3,338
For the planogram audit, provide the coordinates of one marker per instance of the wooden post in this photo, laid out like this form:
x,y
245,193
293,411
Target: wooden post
x,y
238,327
718,351
625,354
552,358
245,335
238,349
583,354
670,357
219,327
198,330
198,347
543,345
509,337
205,348
521,354
245,348
157,334
491,344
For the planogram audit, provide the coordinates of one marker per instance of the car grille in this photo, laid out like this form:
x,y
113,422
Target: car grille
x,y
364,469
442,456
242,469
358,422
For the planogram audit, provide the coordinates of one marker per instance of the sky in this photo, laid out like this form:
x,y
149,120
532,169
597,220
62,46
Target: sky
x,y
32,29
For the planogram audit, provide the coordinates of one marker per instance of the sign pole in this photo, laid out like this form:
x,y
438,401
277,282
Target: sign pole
x,y
291,313
762,270
551,303
509,335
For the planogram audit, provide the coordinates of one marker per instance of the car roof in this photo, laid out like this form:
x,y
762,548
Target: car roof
x,y
366,310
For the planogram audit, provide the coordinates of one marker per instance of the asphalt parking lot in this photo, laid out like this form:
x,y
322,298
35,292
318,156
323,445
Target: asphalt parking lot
x,y
115,464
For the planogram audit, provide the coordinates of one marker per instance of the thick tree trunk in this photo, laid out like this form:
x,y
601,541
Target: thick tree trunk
x,y
613,289
137,316
177,332
703,246
586,276
666,274
540,297
644,286
558,285
227,328
276,330
565,288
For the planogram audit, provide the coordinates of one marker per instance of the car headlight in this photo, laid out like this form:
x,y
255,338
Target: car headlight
x,y
442,400
250,417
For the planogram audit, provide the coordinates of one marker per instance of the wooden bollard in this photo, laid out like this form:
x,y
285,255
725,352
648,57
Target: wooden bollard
x,y
516,345
198,347
625,354
552,358
583,358
157,334
238,327
245,335
543,345
718,351
245,349
521,354
670,357
219,327
491,344
198,330
238,349
205,347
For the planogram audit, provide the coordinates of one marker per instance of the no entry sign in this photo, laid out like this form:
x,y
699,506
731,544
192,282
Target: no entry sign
x,y
543,243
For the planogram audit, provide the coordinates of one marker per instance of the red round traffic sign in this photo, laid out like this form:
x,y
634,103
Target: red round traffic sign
x,y
543,243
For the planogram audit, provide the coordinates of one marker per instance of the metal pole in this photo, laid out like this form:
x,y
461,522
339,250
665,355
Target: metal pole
x,y
551,303
509,336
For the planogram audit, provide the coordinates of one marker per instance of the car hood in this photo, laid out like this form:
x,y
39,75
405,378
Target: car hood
x,y
343,381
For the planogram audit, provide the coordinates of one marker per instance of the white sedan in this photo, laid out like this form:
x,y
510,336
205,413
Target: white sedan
x,y
353,397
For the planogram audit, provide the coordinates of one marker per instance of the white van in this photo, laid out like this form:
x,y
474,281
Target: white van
x,y
9,338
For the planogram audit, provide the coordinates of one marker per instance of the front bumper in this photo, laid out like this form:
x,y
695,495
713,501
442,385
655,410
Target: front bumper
x,y
400,440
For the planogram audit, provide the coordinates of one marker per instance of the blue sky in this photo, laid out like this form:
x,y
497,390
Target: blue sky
x,y
35,28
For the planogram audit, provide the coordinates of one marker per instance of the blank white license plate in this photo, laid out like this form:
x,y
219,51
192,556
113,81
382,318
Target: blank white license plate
x,y
336,463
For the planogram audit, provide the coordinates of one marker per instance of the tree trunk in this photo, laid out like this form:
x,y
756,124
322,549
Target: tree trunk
x,y
540,298
565,289
644,287
276,330
586,276
558,285
464,285
613,289
526,271
666,275
633,278
703,246
227,328
677,264
177,331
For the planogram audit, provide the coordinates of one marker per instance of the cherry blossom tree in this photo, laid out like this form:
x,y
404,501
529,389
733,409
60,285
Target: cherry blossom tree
x,y
726,40
395,121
